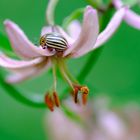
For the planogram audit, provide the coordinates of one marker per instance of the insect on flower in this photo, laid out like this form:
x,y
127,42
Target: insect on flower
x,y
54,41
55,47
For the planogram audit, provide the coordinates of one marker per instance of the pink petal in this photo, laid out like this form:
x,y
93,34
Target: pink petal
x,y
21,44
74,29
130,17
88,35
18,64
65,35
111,27
45,30
117,3
32,72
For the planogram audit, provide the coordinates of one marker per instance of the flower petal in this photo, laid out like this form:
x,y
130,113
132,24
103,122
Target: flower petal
x,y
65,35
117,3
111,27
88,35
45,30
21,44
74,29
32,72
130,17
13,64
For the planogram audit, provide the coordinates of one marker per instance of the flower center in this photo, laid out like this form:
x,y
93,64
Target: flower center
x,y
54,42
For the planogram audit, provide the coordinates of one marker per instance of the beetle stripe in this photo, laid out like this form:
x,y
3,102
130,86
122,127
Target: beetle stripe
x,y
54,45
57,41
57,44
57,38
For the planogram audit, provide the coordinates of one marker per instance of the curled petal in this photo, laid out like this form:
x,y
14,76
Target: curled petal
x,y
13,64
74,29
24,75
130,17
21,44
111,27
45,30
88,35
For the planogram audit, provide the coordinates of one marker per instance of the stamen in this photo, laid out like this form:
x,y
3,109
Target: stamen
x,y
76,94
56,99
66,77
85,92
49,102
54,75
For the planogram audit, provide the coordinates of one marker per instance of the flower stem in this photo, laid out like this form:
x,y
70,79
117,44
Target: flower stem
x,y
50,11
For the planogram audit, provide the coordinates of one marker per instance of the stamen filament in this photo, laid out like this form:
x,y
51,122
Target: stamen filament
x,y
66,77
54,77
68,73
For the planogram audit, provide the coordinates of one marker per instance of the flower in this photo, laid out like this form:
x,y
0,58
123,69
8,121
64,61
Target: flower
x,y
55,46
100,122
130,17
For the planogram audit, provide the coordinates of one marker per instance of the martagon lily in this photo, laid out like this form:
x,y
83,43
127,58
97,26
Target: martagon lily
x,y
130,17
36,59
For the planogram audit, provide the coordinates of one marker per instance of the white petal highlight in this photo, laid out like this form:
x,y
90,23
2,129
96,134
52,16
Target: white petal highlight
x,y
13,64
25,75
21,44
88,35
113,25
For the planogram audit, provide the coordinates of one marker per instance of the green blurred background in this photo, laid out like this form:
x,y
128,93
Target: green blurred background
x,y
116,74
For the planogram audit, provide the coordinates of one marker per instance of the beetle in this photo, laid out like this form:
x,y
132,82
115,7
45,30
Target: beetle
x,y
53,41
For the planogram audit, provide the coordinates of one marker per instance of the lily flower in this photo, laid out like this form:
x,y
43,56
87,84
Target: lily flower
x,y
55,47
130,17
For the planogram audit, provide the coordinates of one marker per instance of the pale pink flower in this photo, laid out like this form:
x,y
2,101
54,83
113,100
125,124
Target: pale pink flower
x,y
130,17
100,123
39,58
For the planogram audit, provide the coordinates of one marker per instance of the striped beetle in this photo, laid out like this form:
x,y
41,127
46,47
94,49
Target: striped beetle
x,y
53,41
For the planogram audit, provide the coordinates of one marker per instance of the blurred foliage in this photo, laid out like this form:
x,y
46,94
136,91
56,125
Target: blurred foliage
x,y
115,74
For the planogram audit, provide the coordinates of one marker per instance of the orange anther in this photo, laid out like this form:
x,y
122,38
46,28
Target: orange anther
x,y
49,102
84,98
85,92
56,99
76,94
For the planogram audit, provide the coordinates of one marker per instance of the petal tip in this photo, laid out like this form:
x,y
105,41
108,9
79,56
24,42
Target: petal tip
x,y
7,22
90,9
